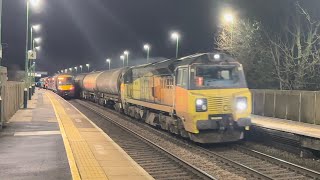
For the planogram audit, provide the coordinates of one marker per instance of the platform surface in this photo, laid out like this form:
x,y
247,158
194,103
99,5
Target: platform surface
x,y
53,140
294,127
31,146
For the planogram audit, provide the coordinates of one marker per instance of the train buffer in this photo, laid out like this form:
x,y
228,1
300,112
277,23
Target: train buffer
x,y
53,140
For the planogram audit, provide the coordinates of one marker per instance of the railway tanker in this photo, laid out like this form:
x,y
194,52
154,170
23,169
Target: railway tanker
x,y
203,97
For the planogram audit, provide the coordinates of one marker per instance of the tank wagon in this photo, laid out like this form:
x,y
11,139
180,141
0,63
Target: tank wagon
x,y
203,97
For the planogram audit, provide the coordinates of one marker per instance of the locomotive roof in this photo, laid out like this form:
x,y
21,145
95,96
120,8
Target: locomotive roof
x,y
168,66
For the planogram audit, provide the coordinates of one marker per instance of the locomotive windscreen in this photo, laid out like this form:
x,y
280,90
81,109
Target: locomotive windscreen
x,y
227,76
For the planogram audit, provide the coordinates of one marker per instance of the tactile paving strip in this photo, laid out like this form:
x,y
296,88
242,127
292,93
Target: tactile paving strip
x,y
88,167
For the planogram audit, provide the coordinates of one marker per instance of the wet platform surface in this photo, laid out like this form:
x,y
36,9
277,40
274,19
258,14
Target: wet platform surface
x,y
53,140
31,146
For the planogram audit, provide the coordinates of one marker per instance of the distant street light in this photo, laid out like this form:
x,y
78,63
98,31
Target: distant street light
x,y
122,58
65,70
76,68
127,55
80,68
88,65
147,48
176,36
108,61
70,69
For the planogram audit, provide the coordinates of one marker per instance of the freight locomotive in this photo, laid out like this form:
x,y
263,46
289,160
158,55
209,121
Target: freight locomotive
x,y
203,97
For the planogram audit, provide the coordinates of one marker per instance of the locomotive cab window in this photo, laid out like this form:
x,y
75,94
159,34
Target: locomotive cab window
x,y
227,76
182,77
65,81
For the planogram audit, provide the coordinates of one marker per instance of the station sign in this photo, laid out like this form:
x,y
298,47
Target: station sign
x,y
32,55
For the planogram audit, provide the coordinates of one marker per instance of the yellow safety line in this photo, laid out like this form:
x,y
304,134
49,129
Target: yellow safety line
x,y
72,163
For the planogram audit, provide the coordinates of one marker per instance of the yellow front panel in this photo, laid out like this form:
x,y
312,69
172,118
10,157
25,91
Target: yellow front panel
x,y
219,102
65,87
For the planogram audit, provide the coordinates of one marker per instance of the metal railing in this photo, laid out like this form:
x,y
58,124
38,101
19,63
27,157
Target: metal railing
x,y
301,106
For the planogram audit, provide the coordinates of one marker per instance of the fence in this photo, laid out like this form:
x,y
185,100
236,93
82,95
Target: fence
x,y
12,99
302,106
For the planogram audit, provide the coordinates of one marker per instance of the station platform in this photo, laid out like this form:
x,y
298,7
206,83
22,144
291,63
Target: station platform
x,y
51,139
294,127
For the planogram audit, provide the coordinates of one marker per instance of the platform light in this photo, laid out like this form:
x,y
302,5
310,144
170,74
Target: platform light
x,y
108,61
35,3
146,47
37,40
176,36
126,53
88,66
36,27
122,58
228,17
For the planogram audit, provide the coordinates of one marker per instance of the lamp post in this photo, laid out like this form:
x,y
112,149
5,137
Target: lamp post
x,y
229,19
33,3
176,36
33,67
32,42
146,47
108,61
127,55
80,68
76,68
88,65
122,58
70,69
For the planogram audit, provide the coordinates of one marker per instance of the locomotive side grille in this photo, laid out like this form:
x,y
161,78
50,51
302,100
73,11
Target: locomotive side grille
x,y
219,104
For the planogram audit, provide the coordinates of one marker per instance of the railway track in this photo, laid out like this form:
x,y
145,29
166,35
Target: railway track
x,y
268,166
235,159
158,162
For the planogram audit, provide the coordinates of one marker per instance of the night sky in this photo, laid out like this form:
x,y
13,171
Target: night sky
x,y
77,32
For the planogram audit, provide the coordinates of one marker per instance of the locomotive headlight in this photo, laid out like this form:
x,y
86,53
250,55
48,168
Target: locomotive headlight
x,y
241,103
201,105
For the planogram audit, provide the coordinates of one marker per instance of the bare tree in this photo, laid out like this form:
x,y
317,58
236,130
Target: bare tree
x,y
246,41
295,52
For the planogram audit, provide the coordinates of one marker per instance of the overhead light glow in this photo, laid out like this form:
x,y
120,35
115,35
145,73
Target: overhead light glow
x,y
175,35
37,40
228,17
146,47
36,27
